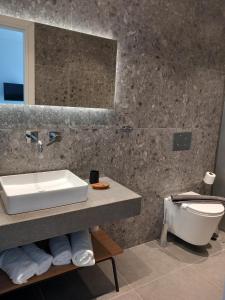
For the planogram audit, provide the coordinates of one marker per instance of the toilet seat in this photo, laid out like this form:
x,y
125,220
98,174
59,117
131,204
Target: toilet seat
x,y
205,209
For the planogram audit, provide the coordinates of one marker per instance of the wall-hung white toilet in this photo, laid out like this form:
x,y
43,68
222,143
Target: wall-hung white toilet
x,y
194,223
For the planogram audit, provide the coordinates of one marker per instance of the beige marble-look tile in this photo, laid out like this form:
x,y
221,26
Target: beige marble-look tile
x,y
183,284
142,264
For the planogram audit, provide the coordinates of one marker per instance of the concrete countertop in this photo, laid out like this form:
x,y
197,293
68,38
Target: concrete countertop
x,y
102,206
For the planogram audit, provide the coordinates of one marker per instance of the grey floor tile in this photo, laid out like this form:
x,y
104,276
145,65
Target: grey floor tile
x,y
111,296
182,251
216,246
100,281
221,239
106,268
212,270
129,296
182,284
187,253
144,263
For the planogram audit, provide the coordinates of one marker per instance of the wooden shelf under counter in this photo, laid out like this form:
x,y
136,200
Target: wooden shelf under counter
x,y
104,248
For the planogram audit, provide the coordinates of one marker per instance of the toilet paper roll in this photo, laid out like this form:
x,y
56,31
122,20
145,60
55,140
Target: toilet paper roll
x,y
209,178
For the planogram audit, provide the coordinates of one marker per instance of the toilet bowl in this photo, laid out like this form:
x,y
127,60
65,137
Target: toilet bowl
x,y
194,223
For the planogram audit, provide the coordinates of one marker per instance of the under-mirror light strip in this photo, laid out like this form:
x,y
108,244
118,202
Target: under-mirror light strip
x,y
85,109
106,35
45,107
77,28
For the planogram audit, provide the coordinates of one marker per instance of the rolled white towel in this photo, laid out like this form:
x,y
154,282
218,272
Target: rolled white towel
x,y
61,250
18,265
82,250
42,259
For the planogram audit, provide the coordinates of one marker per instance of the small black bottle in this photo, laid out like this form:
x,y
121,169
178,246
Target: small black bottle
x,y
94,176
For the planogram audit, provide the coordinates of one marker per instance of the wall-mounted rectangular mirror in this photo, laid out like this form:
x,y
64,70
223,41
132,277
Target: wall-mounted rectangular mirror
x,y
46,65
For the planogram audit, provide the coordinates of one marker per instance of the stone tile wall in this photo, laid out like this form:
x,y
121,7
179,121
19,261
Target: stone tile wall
x,y
170,78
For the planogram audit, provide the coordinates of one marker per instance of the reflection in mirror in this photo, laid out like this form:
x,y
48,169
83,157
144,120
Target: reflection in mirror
x,y
11,66
46,65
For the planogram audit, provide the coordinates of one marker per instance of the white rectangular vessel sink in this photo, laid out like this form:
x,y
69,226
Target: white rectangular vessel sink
x,y
34,191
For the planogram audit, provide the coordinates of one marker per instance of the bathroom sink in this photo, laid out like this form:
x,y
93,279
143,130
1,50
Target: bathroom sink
x,y
34,191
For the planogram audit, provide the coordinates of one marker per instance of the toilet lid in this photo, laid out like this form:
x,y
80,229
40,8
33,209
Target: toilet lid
x,y
211,209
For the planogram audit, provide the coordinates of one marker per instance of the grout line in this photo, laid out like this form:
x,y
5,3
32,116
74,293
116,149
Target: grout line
x,y
209,281
139,296
117,295
166,275
128,292
129,287
156,242
177,269
161,277
133,289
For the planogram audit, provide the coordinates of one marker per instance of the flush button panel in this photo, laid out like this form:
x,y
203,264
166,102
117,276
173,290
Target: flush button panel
x,y
182,141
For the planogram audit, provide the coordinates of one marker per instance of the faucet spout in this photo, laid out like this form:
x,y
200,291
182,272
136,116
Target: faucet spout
x,y
40,146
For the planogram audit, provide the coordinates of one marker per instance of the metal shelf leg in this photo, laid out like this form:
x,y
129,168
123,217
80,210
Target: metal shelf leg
x,y
115,274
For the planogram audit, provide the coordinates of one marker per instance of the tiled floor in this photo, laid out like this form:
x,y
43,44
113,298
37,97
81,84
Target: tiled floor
x,y
178,272
146,272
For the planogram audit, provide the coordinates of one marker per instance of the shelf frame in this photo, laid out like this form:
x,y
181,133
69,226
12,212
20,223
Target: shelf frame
x,y
104,249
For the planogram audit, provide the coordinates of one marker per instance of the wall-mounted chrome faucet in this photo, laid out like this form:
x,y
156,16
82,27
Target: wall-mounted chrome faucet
x,y
54,137
32,137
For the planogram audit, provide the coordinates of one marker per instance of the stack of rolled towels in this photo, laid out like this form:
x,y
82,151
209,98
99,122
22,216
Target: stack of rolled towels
x,y
78,248
22,263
